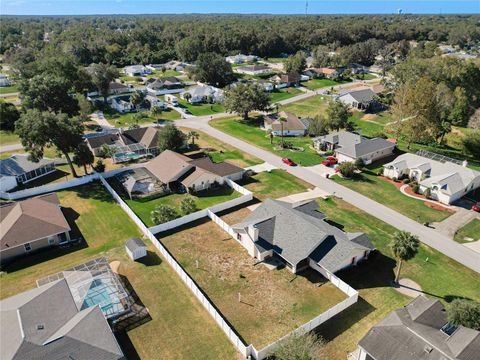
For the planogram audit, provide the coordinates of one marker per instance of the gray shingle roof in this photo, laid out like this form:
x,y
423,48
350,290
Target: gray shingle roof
x,y
414,333
19,164
363,96
296,233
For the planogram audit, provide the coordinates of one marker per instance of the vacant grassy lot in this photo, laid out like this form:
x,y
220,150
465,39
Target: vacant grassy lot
x,y
126,120
8,89
439,277
186,329
274,184
470,230
315,84
309,107
251,132
283,94
273,302
8,137
201,109
203,199
379,189
220,151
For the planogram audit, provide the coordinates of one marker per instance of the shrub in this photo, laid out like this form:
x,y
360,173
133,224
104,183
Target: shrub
x,y
465,313
359,163
406,181
188,205
163,213
347,169
416,188
99,166
427,193
394,179
330,153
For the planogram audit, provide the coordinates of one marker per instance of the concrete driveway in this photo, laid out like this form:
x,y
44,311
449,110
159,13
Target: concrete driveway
x,y
322,170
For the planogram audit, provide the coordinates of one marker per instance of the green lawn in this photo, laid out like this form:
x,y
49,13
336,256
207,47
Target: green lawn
x,y
276,59
131,78
309,107
8,137
470,230
202,109
382,191
159,73
367,128
203,199
274,184
440,277
251,132
283,94
8,89
315,84
187,330
126,120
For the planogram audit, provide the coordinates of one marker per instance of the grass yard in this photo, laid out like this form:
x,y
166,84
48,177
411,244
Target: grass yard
x,y
382,191
180,327
125,120
471,231
309,107
283,94
8,137
201,109
220,151
159,73
274,184
315,84
367,128
251,132
439,277
273,302
8,89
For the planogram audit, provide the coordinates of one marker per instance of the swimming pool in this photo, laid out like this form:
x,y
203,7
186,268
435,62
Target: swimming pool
x,y
100,294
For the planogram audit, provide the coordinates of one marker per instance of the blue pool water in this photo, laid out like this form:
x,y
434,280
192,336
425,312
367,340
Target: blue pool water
x,y
98,294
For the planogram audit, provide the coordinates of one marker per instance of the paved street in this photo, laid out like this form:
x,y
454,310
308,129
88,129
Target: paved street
x,y
11,147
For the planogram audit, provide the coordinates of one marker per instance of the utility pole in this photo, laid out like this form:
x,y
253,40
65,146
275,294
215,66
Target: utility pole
x,y
306,7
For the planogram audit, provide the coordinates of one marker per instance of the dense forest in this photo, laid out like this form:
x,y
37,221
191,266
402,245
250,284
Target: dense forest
x,y
122,40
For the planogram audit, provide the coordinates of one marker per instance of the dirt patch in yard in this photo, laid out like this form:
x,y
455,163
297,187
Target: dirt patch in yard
x,y
368,117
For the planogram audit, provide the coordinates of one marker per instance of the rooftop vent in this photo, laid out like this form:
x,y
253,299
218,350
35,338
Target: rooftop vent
x,y
428,349
40,327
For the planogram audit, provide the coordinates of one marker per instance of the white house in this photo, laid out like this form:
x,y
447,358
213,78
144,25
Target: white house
x,y
358,99
4,80
164,85
291,126
257,69
136,70
136,248
240,59
200,94
447,181
122,104
18,169
349,146
155,101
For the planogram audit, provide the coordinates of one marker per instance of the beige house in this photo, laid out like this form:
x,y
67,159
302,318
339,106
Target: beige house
x,y
30,225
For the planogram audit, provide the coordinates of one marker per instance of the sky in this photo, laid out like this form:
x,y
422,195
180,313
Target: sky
x,y
91,7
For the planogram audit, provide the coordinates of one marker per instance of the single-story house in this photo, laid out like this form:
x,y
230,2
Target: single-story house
x,y
122,104
329,73
180,173
115,88
267,86
240,59
257,69
292,126
48,322
290,79
18,169
30,225
419,331
350,146
176,65
127,144
4,80
155,101
357,68
164,85
277,80
136,248
201,93
136,70
299,237
446,181
358,99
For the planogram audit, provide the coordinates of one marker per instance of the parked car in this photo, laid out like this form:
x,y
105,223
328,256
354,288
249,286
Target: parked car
x,y
329,161
476,207
289,162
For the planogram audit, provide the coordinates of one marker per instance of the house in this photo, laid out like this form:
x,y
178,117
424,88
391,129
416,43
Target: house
x,y
126,144
266,85
446,181
180,173
164,85
115,88
176,66
49,322
292,126
122,104
419,331
351,146
201,93
329,73
290,79
140,183
136,248
18,169
257,69
358,99
4,80
136,70
277,80
240,59
357,68
155,101
30,225
300,237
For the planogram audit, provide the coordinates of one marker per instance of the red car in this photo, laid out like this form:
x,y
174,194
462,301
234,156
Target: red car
x,y
329,161
289,162
476,207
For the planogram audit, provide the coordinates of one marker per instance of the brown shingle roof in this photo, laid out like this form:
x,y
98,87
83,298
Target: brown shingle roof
x,y
292,123
168,165
221,169
31,219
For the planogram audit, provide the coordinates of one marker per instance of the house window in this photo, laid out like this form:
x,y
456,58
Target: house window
x,y
239,237
51,240
28,247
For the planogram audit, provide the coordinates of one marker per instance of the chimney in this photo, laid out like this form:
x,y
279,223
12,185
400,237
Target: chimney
x,y
253,232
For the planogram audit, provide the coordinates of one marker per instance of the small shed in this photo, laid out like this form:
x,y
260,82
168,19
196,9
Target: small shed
x,y
136,248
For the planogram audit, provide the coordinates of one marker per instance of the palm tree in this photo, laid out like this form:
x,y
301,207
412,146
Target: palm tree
x,y
193,135
405,247
187,96
282,120
155,112
137,98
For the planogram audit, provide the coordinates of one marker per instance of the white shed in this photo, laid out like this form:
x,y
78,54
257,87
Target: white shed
x,y
136,248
